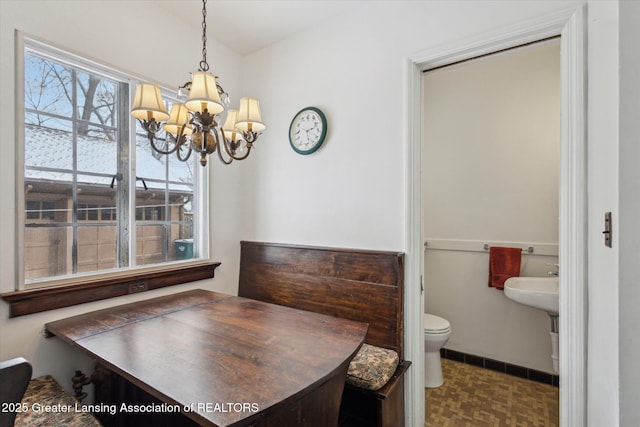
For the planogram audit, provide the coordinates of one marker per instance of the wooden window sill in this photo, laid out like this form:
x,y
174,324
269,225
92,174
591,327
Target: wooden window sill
x,y
43,299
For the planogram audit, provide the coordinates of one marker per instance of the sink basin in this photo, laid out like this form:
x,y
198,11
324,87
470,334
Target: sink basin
x,y
536,292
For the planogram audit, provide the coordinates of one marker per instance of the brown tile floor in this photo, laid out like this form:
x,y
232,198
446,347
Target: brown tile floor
x,y
477,397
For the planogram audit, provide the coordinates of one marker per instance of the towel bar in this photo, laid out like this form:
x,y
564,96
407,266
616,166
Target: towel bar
x,y
528,250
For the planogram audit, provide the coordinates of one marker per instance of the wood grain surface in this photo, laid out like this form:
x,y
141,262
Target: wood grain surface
x,y
200,347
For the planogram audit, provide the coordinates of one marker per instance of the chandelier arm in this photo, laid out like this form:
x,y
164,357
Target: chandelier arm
x,y
233,156
189,150
155,147
222,159
151,135
249,147
225,144
251,136
182,140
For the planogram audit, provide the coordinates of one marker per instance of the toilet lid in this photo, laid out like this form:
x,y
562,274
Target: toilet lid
x,y
435,324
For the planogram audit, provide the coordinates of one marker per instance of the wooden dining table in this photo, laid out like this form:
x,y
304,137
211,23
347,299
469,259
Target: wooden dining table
x,y
221,360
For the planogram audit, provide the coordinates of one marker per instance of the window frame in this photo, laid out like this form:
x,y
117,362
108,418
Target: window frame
x,y
122,280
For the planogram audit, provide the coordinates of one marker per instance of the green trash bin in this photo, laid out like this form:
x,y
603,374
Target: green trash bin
x,y
184,248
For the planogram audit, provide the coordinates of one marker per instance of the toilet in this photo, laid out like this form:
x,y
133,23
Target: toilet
x,y
436,334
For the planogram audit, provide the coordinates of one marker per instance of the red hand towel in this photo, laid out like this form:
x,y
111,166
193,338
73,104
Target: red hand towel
x,y
503,263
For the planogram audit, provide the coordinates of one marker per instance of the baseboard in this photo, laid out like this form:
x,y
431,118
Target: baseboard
x,y
504,367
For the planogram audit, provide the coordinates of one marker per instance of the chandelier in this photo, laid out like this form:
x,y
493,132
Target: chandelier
x,y
195,124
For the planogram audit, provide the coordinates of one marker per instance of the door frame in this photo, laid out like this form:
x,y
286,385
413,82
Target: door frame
x,y
570,24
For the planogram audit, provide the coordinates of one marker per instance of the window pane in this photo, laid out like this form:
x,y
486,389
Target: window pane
x,y
33,210
48,251
47,88
48,202
87,212
48,146
181,207
150,244
96,247
39,212
92,184
182,172
48,211
108,133
150,205
37,121
73,149
96,101
96,196
97,154
150,165
108,213
182,242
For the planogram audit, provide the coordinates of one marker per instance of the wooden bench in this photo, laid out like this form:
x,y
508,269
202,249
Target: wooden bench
x,y
37,402
360,285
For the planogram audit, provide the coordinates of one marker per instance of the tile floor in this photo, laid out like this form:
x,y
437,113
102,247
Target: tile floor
x,y
477,397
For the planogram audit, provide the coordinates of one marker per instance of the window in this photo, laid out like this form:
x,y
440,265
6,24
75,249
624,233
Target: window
x,y
97,199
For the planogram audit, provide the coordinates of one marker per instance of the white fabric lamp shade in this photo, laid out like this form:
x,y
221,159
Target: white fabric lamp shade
x,y
249,117
204,94
229,126
148,103
178,116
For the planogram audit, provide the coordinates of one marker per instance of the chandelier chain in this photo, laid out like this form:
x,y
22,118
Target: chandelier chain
x,y
204,66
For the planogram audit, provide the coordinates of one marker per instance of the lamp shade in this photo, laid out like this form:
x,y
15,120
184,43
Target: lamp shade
x,y
230,123
204,94
178,116
249,117
148,103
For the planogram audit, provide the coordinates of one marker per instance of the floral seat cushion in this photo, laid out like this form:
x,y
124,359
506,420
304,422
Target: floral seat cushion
x,y
372,367
44,393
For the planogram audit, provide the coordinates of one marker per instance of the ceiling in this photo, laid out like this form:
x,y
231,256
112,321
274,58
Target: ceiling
x,y
246,26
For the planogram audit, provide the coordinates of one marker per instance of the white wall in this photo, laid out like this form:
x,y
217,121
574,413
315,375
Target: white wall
x,y
629,212
156,47
603,291
490,172
349,193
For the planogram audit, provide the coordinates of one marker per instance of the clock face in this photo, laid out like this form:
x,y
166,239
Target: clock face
x,y
308,130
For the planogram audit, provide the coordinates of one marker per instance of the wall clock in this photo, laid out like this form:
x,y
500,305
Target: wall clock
x,y
308,130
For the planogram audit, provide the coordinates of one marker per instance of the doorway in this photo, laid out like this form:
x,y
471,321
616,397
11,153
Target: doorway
x,y
490,177
570,24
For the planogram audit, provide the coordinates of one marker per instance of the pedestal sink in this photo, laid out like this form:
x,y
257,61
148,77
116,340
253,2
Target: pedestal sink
x,y
536,292
541,293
